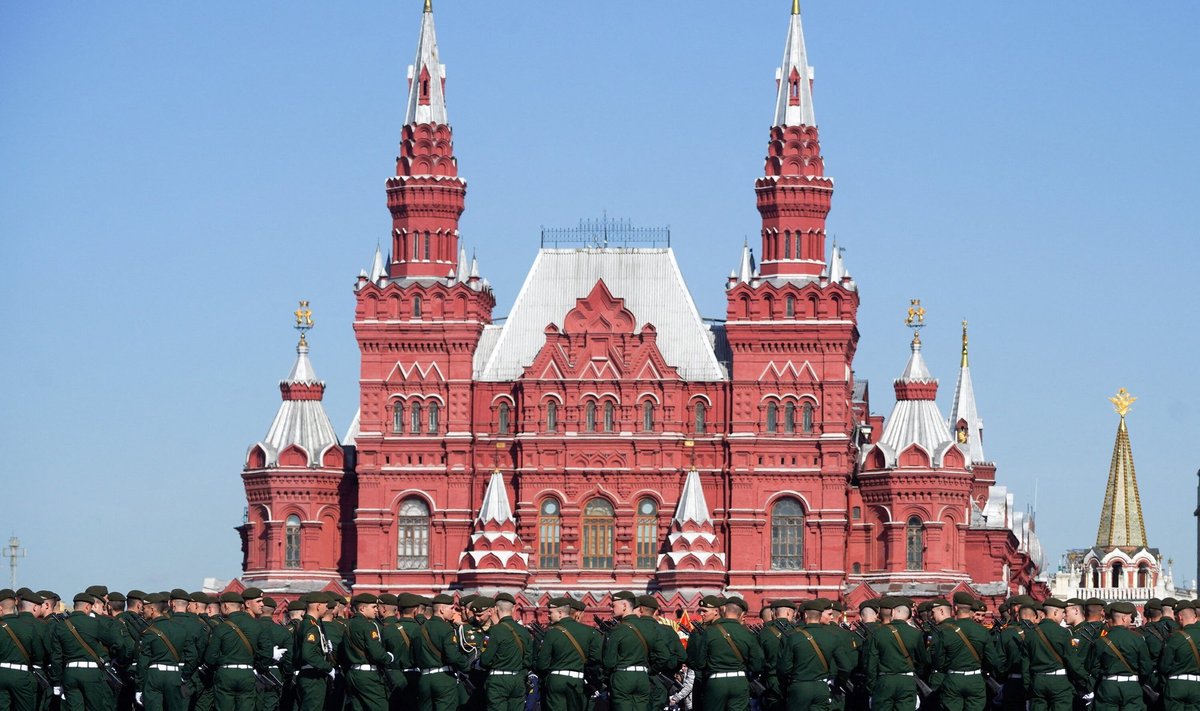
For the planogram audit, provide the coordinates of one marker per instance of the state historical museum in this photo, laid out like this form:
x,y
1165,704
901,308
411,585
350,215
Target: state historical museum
x,y
605,436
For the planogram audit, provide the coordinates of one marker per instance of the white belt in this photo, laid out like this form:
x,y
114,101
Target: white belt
x,y
1056,672
165,667
638,669
81,665
1015,676
897,673
567,672
237,666
726,675
412,670
14,667
363,667
435,670
1186,677
973,672
1121,678
502,672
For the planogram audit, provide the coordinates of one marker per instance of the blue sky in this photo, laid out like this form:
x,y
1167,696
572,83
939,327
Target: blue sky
x,y
174,176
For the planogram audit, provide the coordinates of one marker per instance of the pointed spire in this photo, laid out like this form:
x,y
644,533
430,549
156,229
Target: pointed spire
x,y
463,274
916,370
474,267
746,268
426,78
378,271
495,505
794,101
837,265
693,506
1121,522
964,416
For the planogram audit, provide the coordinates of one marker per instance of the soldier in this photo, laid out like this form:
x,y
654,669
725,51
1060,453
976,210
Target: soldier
x,y
313,655
848,649
959,657
80,647
807,664
235,650
335,630
472,637
507,658
439,657
1052,667
728,655
1168,608
164,650
364,658
709,612
626,657
896,657
567,650
661,636
1179,664
1118,662
397,642
276,637
22,647
1008,651
771,639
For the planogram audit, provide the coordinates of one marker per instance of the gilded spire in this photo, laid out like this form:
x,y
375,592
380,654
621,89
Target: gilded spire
x,y
428,5
1121,522
964,353
965,422
794,100
795,7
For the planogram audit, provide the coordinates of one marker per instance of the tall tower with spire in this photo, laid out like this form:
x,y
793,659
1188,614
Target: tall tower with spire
x,y
1121,523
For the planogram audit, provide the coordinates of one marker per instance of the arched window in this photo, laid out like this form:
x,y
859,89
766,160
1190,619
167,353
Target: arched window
x,y
502,416
609,416
856,568
416,307
808,417
415,419
550,535
701,417
1143,576
648,416
412,539
599,525
291,542
787,245
1095,575
787,535
435,411
915,543
647,534
427,246
772,418
416,247
1118,576
552,416
789,417
398,417
790,306
589,417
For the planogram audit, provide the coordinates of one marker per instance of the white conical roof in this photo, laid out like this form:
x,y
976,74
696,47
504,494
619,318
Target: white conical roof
x,y
837,265
302,370
794,105
746,268
916,421
301,422
378,271
692,504
964,409
427,61
495,501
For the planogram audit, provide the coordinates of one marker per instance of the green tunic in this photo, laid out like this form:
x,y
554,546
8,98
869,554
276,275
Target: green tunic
x,y
959,656
438,648
729,654
76,669
508,657
566,652
313,659
1181,657
771,638
235,650
896,654
807,665
18,689
1050,650
1118,663
364,661
165,649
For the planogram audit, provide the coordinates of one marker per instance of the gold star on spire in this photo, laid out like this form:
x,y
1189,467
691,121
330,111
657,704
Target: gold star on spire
x,y
1122,402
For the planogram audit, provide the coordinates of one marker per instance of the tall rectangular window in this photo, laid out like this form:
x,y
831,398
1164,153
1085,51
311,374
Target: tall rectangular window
x,y
549,536
647,534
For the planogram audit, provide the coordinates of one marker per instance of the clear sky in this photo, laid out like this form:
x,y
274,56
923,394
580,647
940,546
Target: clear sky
x,y
175,176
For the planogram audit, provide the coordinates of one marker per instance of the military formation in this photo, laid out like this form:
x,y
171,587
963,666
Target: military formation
x,y
183,651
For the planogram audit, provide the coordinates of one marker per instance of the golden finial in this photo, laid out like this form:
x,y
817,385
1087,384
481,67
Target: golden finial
x,y
428,5
304,319
795,7
915,319
964,360
1122,402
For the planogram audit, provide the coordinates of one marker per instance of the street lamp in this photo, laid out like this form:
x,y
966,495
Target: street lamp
x,y
13,551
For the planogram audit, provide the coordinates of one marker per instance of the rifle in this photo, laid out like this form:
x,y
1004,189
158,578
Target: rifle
x,y
267,681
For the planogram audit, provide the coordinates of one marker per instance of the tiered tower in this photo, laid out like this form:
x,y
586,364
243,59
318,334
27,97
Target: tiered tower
x,y
792,329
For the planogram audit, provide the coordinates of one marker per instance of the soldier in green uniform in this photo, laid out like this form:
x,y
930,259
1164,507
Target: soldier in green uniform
x,y
277,637
1118,663
806,665
709,612
566,651
848,649
771,639
1179,663
234,651
1052,666
407,606
472,637
79,647
663,637
397,645
166,647
313,655
22,647
896,656
507,658
627,657
728,655
1008,650
1169,605
364,659
439,656
960,656
335,630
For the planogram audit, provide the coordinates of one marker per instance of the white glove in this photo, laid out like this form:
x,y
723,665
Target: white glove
x,y
57,691
390,658
137,699
278,652
333,673
1088,696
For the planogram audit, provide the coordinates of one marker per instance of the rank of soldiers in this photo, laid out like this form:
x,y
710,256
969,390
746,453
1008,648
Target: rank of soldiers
x,y
183,651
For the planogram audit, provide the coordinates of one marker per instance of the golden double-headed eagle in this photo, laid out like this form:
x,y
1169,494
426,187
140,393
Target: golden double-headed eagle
x,y
916,314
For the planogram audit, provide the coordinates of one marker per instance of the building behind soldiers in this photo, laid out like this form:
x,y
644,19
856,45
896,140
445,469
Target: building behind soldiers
x,y
1121,566
605,435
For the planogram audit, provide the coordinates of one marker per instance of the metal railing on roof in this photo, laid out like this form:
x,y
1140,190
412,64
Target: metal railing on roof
x,y
606,232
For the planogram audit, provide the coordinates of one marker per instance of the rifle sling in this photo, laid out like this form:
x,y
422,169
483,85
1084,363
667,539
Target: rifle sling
x,y
571,639
816,648
1120,656
903,648
1046,642
966,640
244,638
86,647
732,644
163,637
1191,643
17,641
432,647
642,639
517,637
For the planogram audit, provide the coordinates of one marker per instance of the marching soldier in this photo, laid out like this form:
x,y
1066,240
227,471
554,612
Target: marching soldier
x,y
313,655
364,658
896,657
397,643
472,637
771,639
439,657
728,655
80,647
664,637
234,651
507,658
165,649
1119,662
1052,667
959,657
275,636
407,606
568,648
710,612
627,657
1179,664
848,651
335,630
22,648
807,664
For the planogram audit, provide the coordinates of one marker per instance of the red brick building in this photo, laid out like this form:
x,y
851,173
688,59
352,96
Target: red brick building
x,y
605,435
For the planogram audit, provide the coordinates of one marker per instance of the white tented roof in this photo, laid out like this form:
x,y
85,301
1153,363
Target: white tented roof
x,y
649,281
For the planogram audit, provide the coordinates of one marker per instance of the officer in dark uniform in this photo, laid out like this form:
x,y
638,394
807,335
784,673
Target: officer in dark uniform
x,y
439,656
1118,662
472,637
728,655
772,638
